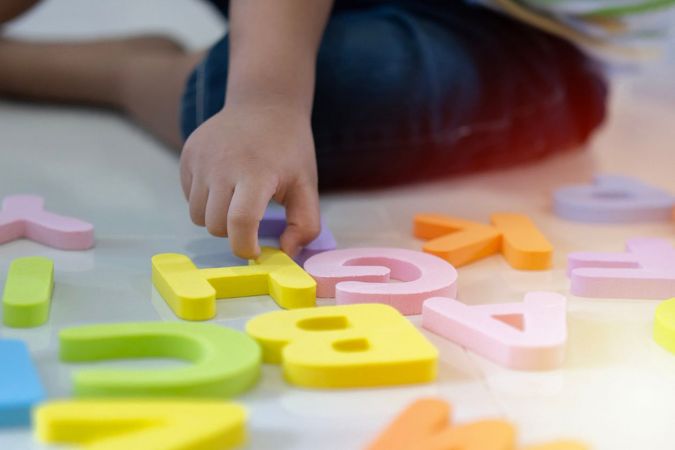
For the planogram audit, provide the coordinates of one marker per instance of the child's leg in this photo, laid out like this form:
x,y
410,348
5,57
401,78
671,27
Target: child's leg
x,y
417,89
143,76
446,87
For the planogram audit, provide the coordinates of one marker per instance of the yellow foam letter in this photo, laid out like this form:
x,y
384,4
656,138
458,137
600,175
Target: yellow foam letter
x,y
142,424
191,292
345,346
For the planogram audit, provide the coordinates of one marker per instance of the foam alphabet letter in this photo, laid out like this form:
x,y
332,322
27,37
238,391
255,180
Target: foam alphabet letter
x,y
273,225
28,292
528,336
664,325
523,245
345,346
142,424
425,425
646,270
613,199
20,386
191,292
24,216
361,275
457,241
460,241
225,362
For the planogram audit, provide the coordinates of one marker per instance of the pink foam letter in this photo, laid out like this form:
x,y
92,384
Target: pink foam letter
x,y
528,336
362,275
646,270
24,216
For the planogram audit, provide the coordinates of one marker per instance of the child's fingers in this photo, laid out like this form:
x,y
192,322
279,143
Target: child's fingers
x,y
199,193
216,211
243,218
302,218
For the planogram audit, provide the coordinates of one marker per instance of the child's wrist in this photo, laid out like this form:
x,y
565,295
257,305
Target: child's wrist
x,y
268,99
277,86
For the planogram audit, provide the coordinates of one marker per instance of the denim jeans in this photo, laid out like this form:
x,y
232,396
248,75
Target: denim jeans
x,y
417,89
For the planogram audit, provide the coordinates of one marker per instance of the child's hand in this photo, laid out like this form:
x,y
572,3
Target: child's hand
x,y
239,159
260,145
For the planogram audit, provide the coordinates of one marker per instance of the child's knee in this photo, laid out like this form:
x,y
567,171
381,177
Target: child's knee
x,y
387,65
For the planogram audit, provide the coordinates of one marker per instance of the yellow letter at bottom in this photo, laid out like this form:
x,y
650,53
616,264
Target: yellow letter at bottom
x,y
142,424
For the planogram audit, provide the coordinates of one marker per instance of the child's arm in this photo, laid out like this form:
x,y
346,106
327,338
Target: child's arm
x,y
260,145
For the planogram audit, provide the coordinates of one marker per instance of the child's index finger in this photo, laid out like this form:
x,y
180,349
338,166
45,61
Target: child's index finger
x,y
246,210
303,220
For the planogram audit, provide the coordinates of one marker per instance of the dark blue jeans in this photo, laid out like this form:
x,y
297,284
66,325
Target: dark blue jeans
x,y
417,89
